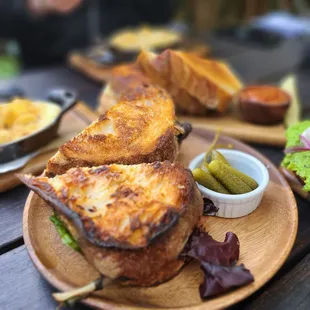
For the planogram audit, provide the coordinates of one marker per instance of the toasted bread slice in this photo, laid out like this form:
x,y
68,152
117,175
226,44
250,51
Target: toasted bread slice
x,y
139,128
123,79
118,205
208,84
131,222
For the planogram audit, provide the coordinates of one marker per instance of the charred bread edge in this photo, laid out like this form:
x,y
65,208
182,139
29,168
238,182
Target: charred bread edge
x,y
53,201
162,151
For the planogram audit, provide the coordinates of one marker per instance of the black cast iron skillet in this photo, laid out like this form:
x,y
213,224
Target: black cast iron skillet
x,y
64,98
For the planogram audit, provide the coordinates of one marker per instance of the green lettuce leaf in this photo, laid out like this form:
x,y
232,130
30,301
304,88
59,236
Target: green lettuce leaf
x,y
298,162
293,133
64,233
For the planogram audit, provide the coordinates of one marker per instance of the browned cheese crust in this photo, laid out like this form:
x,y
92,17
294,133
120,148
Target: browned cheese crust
x,y
131,222
139,128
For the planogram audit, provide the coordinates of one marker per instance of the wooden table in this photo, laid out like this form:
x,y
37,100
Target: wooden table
x,y
22,287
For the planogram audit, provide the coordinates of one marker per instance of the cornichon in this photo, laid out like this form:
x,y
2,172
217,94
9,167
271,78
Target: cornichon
x,y
206,179
215,155
227,177
245,178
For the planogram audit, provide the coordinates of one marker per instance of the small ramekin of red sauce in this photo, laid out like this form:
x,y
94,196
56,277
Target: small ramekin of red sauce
x,y
262,104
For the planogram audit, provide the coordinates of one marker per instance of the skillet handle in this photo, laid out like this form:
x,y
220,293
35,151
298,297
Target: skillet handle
x,y
66,98
11,92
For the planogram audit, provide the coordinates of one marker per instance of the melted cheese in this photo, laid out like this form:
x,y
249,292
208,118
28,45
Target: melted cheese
x,y
144,38
125,204
22,117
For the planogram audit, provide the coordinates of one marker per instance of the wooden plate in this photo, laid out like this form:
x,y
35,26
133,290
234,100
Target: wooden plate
x,y
266,237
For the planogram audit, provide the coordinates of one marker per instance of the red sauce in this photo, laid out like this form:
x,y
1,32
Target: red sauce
x,y
265,94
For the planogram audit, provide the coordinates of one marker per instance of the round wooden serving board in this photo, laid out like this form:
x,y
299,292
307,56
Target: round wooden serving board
x,y
266,238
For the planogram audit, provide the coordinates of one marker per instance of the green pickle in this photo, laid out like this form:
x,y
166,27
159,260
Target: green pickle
x,y
245,178
215,155
226,175
216,173
205,178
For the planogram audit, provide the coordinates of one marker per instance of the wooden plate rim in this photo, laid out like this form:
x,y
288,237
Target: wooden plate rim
x,y
100,303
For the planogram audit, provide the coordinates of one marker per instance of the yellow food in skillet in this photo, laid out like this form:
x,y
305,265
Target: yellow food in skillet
x,y
22,117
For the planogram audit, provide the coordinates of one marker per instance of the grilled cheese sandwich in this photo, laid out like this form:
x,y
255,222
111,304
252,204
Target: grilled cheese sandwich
x,y
119,205
130,222
139,128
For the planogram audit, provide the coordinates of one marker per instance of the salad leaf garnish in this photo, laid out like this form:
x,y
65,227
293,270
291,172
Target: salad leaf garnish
x,y
220,279
299,160
304,143
293,133
218,261
204,248
64,233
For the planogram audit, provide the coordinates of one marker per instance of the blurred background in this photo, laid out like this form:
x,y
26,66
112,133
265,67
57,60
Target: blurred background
x,y
210,14
38,33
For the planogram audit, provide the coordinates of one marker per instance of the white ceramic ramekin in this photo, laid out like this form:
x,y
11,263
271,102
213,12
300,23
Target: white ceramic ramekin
x,y
232,206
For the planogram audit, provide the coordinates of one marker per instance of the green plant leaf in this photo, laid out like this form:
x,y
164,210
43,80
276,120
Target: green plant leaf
x,y
64,233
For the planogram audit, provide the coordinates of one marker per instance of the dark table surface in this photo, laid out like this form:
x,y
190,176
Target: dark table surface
x,y
22,287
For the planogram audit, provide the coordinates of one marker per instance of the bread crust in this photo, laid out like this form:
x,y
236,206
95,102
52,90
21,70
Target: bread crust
x,y
146,112
154,264
157,260
196,85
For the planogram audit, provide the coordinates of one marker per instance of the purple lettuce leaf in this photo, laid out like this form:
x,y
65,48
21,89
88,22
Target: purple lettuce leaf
x,y
220,279
203,247
218,261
